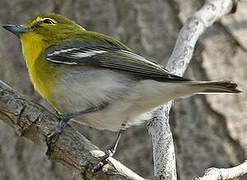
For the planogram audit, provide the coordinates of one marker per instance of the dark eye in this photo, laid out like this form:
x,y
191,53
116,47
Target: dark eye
x,y
48,21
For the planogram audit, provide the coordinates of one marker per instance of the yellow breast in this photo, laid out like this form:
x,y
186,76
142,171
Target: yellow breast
x,y
43,73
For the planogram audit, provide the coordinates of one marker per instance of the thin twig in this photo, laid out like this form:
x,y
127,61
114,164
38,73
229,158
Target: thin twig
x,y
224,173
158,126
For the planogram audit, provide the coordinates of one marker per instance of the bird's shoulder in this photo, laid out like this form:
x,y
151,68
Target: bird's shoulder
x,y
95,39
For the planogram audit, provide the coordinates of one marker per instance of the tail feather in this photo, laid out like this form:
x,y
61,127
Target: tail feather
x,y
216,87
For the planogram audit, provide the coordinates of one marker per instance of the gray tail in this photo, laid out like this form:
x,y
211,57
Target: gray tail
x,y
209,87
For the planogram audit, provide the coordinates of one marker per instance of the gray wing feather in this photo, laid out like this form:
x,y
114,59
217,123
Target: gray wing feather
x,y
108,57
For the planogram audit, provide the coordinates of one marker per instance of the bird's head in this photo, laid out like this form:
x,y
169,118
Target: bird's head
x,y
48,28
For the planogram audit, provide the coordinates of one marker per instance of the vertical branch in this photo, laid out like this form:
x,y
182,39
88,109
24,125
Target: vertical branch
x,y
163,148
158,126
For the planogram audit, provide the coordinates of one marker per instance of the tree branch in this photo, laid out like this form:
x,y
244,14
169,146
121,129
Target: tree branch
x,y
222,174
158,126
72,149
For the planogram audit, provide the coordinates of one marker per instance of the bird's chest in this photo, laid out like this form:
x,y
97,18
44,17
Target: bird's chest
x,y
44,76
43,73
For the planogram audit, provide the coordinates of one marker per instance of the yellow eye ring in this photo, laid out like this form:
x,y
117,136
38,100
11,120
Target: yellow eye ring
x,y
48,21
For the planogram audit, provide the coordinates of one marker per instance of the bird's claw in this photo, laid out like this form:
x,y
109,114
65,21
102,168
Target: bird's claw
x,y
102,161
52,137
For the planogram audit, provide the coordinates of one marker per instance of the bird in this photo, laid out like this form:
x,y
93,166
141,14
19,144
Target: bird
x,y
95,79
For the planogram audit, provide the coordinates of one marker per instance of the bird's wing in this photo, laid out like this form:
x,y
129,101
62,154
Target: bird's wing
x,y
107,54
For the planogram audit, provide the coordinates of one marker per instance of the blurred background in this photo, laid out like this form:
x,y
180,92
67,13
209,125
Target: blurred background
x,y
208,130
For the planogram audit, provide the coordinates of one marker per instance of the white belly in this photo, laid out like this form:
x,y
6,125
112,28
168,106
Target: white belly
x,y
128,100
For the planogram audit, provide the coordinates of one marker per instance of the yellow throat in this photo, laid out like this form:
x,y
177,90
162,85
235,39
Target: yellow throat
x,y
42,73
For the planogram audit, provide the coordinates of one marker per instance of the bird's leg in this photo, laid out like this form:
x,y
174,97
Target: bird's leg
x,y
111,150
64,118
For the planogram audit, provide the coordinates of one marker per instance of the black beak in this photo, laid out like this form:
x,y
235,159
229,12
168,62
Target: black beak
x,y
15,29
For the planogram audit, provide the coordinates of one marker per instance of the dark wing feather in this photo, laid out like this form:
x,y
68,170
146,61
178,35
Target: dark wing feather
x,y
110,56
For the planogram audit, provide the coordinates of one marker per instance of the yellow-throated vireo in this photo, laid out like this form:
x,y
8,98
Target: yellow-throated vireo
x,y
97,80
